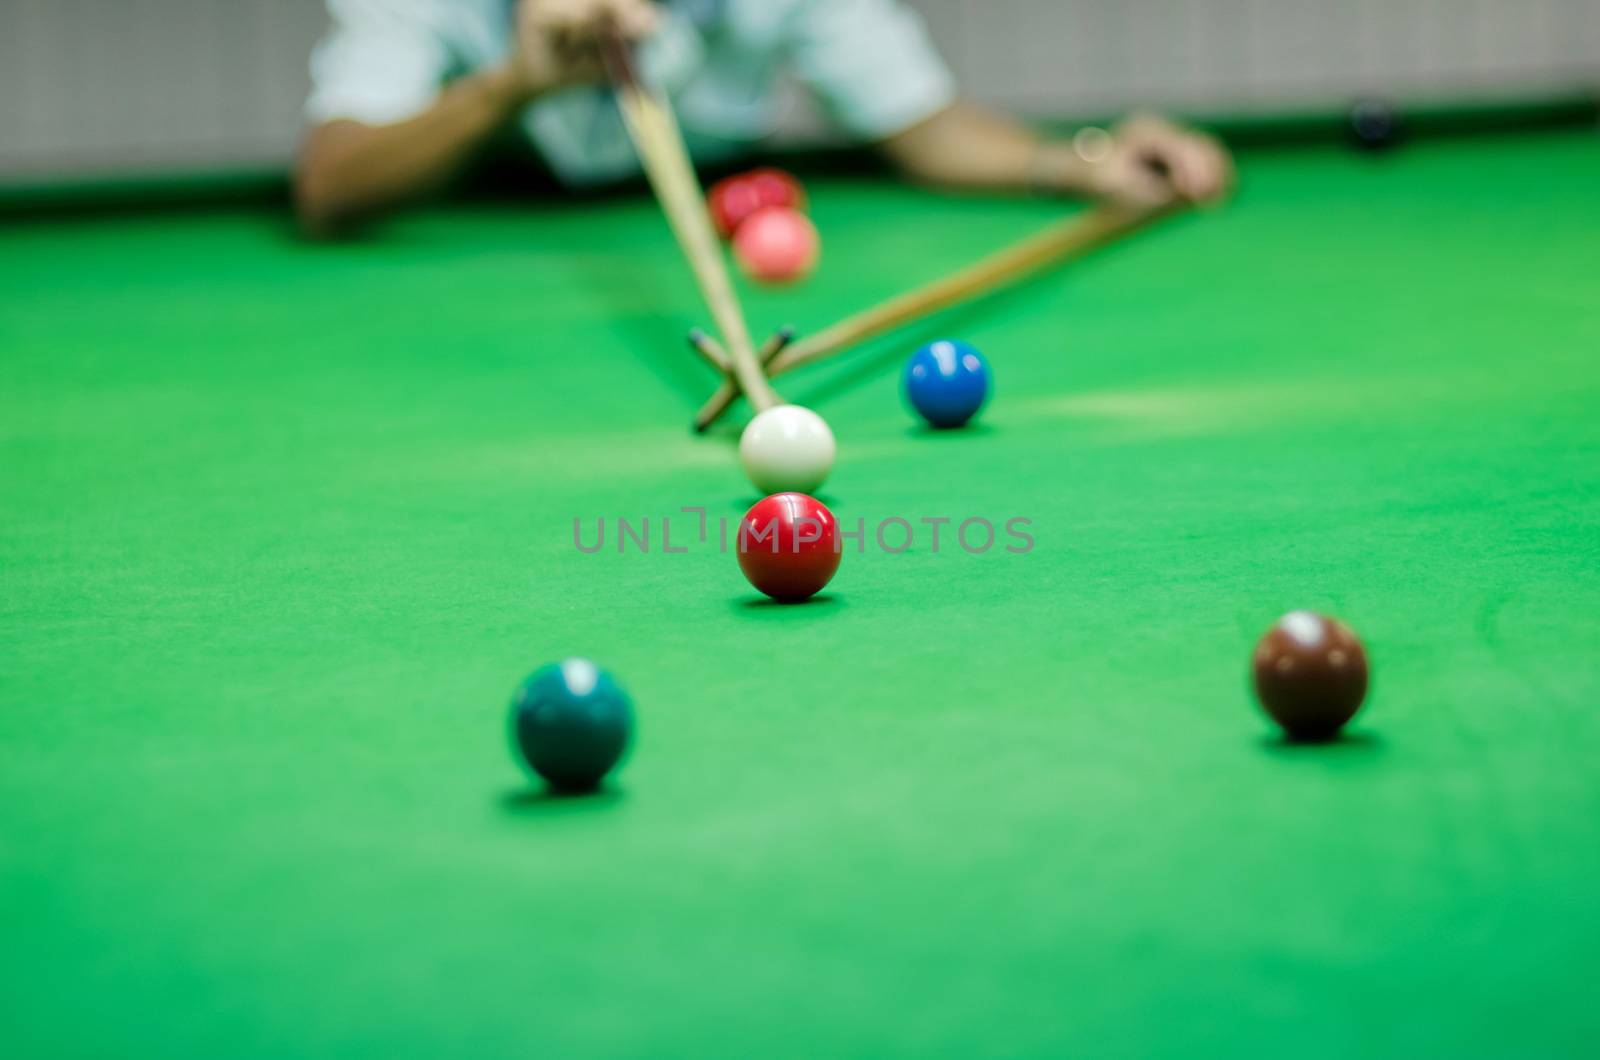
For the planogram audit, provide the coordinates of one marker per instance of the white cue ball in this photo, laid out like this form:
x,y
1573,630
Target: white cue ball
x,y
787,448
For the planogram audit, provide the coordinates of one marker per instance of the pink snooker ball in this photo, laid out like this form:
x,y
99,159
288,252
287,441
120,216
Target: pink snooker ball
x,y
777,245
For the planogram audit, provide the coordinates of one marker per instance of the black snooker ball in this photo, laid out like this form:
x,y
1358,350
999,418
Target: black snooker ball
x,y
571,724
1374,124
1310,675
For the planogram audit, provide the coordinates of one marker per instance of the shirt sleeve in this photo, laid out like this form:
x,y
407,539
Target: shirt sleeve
x,y
871,63
381,61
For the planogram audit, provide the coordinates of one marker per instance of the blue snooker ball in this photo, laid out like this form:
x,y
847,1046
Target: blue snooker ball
x,y
947,382
570,724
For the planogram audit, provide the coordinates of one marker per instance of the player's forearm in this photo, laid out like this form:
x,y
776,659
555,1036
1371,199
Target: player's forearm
x,y
349,171
966,146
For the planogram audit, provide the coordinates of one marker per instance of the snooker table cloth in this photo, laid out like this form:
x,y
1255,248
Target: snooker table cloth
x,y
285,524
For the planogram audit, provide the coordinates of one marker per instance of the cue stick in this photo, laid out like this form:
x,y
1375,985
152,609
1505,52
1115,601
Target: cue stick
x,y
1059,243
659,142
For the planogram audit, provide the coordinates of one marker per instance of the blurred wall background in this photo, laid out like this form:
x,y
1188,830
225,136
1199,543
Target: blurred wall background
x,y
95,87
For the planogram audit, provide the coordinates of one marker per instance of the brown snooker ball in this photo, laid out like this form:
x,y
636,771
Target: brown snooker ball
x,y
1310,674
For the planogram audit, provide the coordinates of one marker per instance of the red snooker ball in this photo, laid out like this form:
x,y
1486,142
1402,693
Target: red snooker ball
x,y
774,187
789,546
735,199
777,245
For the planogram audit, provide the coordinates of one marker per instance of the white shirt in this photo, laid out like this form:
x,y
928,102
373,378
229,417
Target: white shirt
x,y
869,62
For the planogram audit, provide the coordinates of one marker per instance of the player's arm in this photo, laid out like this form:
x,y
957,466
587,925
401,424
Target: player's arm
x,y
1145,161
874,67
350,169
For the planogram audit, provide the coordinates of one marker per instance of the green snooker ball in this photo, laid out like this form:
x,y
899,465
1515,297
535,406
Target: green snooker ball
x,y
571,724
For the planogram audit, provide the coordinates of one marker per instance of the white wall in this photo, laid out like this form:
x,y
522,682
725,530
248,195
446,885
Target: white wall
x,y
90,86
151,85
1083,56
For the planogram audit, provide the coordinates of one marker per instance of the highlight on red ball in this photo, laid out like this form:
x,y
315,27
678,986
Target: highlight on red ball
x,y
789,546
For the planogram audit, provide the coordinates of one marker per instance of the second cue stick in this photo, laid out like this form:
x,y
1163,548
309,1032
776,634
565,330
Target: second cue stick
x,y
666,163
1061,242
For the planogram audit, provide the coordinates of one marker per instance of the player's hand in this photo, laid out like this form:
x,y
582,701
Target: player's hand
x,y
557,42
1148,162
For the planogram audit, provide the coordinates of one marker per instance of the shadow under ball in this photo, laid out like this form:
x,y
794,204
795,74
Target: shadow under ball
x,y
1310,674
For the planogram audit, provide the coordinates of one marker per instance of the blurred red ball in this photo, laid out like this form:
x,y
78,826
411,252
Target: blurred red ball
x,y
774,187
789,546
777,245
735,199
